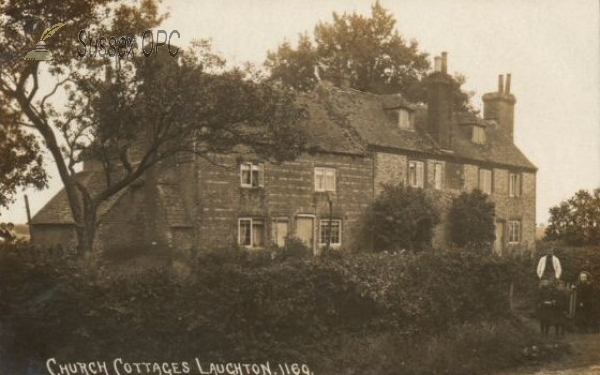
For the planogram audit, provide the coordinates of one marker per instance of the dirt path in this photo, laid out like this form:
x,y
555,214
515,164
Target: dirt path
x,y
584,359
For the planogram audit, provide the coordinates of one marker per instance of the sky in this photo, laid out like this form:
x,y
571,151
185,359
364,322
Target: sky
x,y
551,48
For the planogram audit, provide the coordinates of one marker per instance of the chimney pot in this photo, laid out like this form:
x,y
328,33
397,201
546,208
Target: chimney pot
x,y
508,83
500,83
444,62
437,66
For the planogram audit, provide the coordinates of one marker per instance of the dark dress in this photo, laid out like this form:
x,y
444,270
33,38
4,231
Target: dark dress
x,y
584,309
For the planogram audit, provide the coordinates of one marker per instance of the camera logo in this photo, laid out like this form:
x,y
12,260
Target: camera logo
x,y
40,53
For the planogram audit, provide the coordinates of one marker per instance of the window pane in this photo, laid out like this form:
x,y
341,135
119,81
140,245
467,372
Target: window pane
x,y
419,174
325,179
335,232
244,232
485,181
258,233
246,177
412,174
437,175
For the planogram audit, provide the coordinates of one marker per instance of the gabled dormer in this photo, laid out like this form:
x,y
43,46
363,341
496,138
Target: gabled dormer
x,y
399,111
472,128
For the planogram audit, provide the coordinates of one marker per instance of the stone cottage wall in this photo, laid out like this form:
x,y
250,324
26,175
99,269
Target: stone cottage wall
x,y
288,192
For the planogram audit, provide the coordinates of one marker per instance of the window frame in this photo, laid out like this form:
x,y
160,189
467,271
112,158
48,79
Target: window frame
x,y
514,191
325,222
252,220
419,183
251,167
325,171
480,180
512,224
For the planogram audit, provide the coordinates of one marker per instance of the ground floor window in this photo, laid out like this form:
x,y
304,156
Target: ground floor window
x,y
514,231
251,232
336,232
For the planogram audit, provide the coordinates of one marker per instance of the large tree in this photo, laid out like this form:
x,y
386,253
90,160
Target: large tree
x,y
576,221
189,103
367,53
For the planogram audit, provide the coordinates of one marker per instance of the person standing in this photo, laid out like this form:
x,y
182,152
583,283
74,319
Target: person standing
x,y
549,267
584,300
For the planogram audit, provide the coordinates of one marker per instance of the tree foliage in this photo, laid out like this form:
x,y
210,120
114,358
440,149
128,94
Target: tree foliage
x,y
471,220
576,221
192,103
21,163
402,218
366,52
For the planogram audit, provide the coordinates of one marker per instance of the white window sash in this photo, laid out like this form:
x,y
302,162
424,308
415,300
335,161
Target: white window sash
x,y
252,175
252,228
325,179
336,228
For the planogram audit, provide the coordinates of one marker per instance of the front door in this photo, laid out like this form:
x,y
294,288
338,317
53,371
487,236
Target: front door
x,y
499,243
305,230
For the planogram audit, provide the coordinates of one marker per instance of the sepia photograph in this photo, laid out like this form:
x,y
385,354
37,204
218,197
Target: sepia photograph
x,y
299,187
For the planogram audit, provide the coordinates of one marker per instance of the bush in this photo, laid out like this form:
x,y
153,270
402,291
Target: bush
x,y
471,221
240,309
402,218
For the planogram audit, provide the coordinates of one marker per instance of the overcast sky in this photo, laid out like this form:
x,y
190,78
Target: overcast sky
x,y
551,47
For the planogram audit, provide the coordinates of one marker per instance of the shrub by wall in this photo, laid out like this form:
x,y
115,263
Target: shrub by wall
x,y
243,307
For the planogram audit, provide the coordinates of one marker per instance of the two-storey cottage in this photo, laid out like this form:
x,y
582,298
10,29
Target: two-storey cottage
x,y
361,141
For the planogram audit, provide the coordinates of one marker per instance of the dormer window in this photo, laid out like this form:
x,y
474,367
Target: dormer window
x,y
478,134
405,119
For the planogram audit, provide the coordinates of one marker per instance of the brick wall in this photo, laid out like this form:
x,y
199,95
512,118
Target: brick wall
x,y
391,168
125,224
288,192
54,234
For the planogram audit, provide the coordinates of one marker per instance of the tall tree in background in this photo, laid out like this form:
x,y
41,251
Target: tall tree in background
x,y
576,220
366,52
191,103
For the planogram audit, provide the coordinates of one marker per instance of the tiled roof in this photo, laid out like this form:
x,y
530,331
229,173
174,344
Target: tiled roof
x,y
365,117
58,211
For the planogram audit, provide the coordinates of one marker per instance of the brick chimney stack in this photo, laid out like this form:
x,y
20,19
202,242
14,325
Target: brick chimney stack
x,y
500,106
439,103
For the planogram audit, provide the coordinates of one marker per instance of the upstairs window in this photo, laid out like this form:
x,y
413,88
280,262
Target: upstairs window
x,y
405,119
252,175
437,175
485,181
415,173
514,231
514,185
336,232
325,179
478,135
251,232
